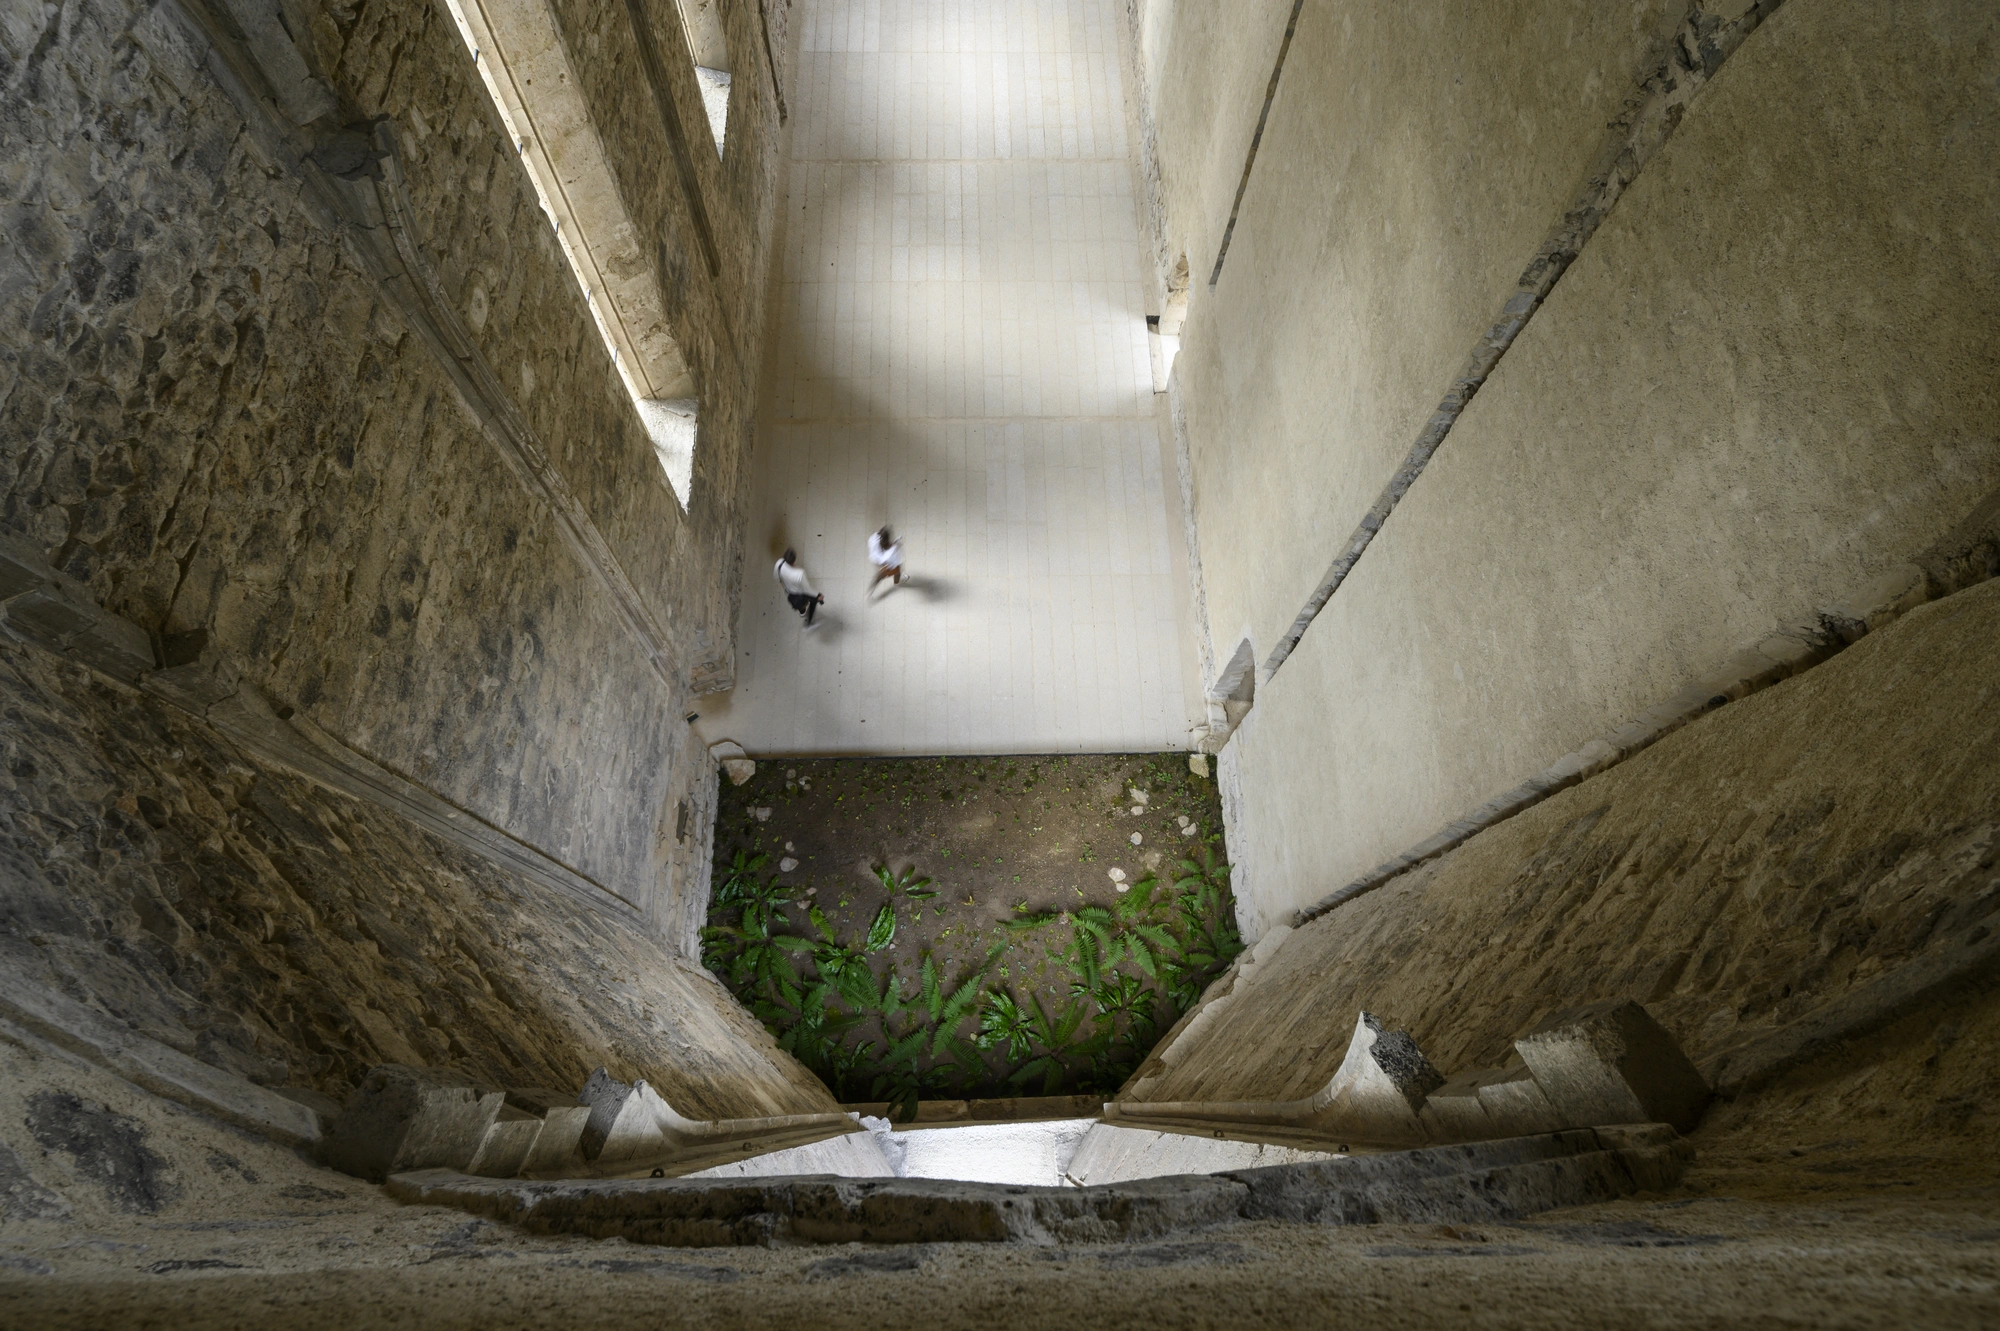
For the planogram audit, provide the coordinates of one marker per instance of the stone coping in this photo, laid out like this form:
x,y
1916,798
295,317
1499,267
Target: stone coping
x,y
1483,1181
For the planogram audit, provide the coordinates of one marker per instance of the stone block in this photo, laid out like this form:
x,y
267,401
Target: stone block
x,y
409,1118
45,614
556,1149
323,1106
504,1151
1376,1094
22,567
1515,1103
1453,1113
118,647
622,1124
1612,1063
1488,1104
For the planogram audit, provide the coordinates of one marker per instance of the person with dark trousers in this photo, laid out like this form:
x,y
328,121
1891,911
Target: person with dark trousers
x,y
799,591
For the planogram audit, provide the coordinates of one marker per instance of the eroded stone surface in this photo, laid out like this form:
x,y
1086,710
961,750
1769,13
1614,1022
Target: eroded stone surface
x,y
242,916
1775,856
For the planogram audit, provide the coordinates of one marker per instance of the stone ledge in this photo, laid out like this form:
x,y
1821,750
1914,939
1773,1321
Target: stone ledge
x,y
42,608
155,1067
1481,1181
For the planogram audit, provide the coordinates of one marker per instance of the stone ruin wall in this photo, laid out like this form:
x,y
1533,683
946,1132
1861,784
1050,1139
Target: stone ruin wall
x,y
225,423
1774,882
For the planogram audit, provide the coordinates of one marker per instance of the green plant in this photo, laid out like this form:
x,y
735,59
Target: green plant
x,y
739,877
883,931
948,1009
873,1032
907,883
1053,1034
904,1084
1003,1023
1026,921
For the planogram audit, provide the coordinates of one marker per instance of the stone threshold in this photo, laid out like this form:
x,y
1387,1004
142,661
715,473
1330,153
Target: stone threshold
x,y
1477,1182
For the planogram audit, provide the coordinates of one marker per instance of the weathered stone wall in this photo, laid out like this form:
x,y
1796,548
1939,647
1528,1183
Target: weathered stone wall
x,y
410,504
1765,380
233,911
219,419
1808,846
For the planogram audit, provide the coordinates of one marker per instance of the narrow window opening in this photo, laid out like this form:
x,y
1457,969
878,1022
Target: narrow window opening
x,y
519,52
702,20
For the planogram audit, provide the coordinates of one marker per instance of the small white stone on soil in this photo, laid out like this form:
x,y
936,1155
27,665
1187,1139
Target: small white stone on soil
x,y
1198,764
1137,839
791,771
1189,830
1138,809
739,770
790,846
1140,796
1124,887
762,813
787,864
1116,875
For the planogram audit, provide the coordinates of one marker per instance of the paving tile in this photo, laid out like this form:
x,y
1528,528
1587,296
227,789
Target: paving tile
x,y
963,354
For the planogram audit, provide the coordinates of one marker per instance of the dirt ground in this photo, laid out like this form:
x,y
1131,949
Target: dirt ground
x,y
1000,839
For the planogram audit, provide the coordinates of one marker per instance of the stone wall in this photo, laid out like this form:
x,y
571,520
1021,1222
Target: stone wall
x,y
1819,856
1764,381
294,376
227,908
222,419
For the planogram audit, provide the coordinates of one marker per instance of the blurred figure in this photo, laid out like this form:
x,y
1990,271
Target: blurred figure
x,y
885,552
798,588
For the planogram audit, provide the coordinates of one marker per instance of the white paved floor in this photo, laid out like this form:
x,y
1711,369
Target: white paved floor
x,y
961,351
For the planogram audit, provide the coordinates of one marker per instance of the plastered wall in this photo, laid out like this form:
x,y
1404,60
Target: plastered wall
x,y
1766,378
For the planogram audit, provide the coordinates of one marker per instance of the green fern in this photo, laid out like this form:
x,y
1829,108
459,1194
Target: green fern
x,y
906,883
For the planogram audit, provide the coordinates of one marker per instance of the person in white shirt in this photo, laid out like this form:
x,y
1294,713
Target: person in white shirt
x,y
885,552
799,590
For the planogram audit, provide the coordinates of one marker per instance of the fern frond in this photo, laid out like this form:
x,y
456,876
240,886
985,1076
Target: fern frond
x,y
933,994
883,931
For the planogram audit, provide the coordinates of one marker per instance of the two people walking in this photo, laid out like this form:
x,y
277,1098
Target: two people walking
x,y
885,552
